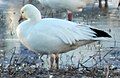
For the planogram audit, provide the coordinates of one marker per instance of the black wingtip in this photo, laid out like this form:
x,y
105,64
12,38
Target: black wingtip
x,y
100,33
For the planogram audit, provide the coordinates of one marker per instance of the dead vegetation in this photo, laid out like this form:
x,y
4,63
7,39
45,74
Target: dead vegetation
x,y
19,68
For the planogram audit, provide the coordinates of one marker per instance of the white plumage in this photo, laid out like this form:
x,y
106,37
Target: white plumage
x,y
72,5
69,5
51,35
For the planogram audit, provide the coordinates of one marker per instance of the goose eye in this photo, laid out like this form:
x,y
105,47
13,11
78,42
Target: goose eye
x,y
22,12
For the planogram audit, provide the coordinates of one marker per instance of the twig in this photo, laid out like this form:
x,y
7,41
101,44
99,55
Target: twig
x,y
12,54
107,71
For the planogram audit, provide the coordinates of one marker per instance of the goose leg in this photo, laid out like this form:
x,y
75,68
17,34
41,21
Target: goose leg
x,y
69,15
57,60
100,5
106,3
54,61
52,57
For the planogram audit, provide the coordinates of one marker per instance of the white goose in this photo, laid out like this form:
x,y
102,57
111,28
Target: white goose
x,y
51,35
69,5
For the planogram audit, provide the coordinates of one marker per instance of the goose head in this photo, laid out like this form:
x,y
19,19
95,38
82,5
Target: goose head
x,y
30,12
